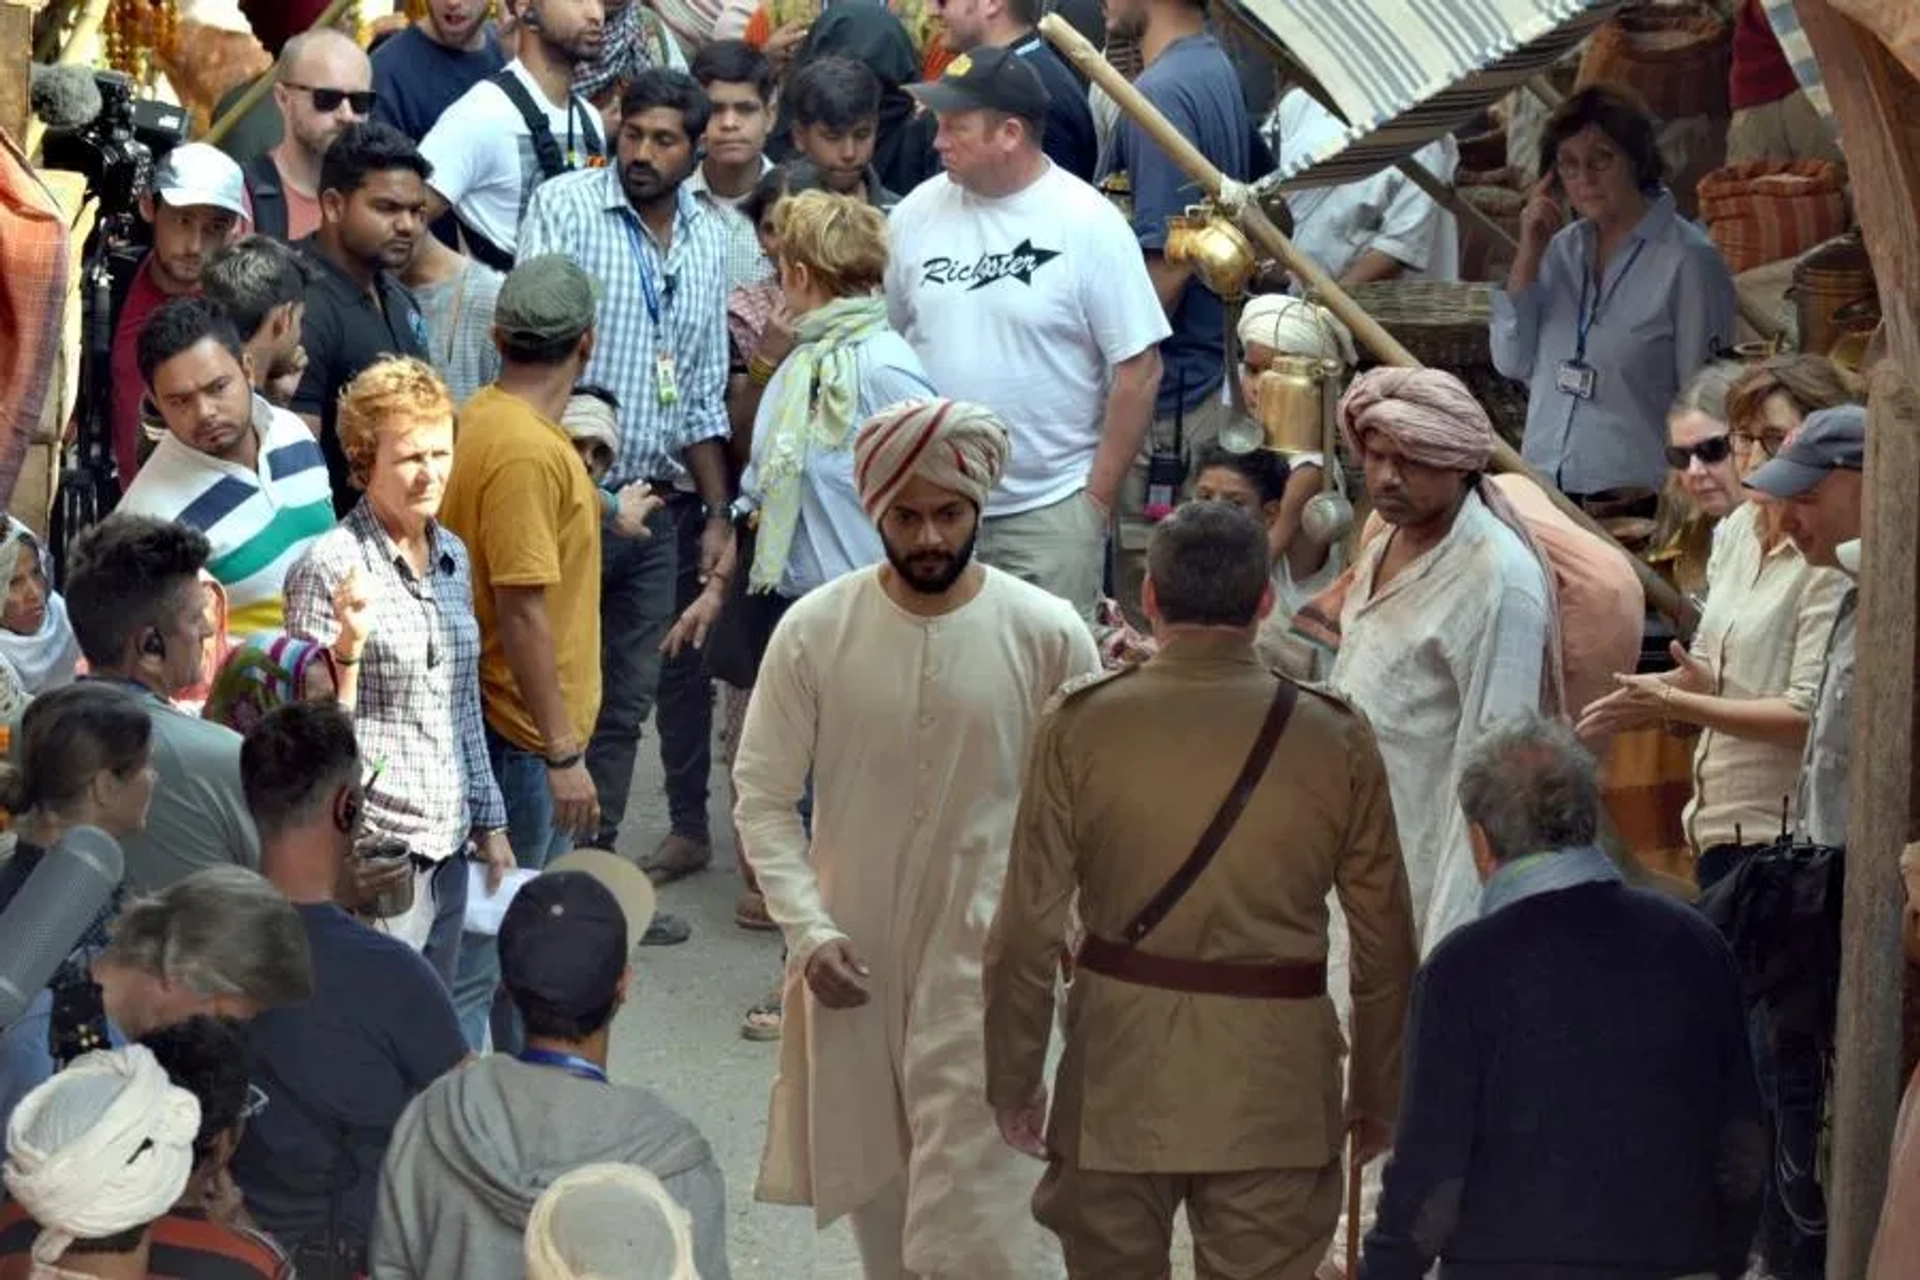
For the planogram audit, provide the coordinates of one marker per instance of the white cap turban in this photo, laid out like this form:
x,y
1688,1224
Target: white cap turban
x,y
1295,327
102,1148
948,443
608,1222
591,418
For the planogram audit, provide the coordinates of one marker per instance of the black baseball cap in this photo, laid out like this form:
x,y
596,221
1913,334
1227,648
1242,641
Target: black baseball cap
x,y
564,941
987,79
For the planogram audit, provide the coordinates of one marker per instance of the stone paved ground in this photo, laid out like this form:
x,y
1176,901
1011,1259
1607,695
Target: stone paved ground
x,y
680,1036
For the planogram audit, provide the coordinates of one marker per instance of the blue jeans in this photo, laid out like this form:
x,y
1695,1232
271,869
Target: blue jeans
x,y
448,884
636,608
477,997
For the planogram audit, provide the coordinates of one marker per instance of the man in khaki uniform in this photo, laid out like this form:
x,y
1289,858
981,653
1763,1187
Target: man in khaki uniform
x,y
1203,1057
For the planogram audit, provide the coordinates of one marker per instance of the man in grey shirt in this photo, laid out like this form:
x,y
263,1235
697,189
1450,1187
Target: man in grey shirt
x,y
1817,481
138,602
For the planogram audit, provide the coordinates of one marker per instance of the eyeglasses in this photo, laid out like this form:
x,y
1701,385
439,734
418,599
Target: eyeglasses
x,y
1711,451
1596,166
1769,444
325,100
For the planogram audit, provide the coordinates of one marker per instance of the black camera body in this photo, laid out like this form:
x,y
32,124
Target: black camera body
x,y
118,148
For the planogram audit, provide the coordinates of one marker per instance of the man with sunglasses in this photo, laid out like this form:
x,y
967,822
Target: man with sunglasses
x,y
324,84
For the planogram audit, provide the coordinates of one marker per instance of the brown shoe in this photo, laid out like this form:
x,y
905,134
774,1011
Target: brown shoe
x,y
677,857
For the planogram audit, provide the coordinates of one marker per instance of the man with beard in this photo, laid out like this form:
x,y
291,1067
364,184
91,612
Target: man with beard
x,y
242,472
518,128
905,695
198,200
373,198
660,253
424,70
323,87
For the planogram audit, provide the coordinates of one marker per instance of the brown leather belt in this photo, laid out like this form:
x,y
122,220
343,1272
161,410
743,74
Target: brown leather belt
x,y
1294,980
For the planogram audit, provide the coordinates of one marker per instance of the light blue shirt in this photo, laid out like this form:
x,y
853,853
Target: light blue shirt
x,y
1666,306
834,534
587,217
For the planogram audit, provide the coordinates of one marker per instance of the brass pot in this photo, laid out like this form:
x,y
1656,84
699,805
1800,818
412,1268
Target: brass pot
x,y
1288,402
1215,250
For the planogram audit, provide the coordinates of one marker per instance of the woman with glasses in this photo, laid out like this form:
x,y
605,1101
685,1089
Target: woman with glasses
x,y
1703,478
1768,405
1613,302
389,591
1747,682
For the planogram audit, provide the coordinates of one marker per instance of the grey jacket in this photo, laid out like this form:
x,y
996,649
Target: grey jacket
x,y
473,1152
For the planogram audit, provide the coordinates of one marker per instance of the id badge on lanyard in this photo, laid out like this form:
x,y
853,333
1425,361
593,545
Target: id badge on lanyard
x,y
1576,377
666,383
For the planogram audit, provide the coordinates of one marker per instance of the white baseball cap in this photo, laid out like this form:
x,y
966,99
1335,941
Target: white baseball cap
x,y
194,173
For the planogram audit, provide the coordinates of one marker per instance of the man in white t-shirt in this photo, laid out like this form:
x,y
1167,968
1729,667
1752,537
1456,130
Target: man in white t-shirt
x,y
1023,289
485,155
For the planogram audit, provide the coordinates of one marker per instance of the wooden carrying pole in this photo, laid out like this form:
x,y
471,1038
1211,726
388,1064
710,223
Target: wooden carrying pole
x,y
1660,593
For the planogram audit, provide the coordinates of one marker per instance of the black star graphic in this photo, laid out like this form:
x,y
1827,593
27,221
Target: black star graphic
x,y
1021,264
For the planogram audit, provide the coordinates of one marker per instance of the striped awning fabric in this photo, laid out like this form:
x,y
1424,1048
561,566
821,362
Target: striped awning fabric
x,y
1404,72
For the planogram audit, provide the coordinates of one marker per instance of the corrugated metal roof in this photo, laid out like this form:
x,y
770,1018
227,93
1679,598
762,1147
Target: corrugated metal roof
x,y
1405,72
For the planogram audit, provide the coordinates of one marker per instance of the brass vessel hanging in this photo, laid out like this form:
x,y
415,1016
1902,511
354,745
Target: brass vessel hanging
x,y
1290,402
1205,241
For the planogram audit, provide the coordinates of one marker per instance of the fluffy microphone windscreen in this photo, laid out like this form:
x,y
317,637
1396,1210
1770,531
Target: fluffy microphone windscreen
x,y
65,97
46,919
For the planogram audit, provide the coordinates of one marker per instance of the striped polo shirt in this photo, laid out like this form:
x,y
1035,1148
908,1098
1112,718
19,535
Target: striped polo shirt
x,y
259,520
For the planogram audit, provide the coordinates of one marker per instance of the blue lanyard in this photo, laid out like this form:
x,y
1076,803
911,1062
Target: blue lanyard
x,y
571,1063
647,289
1588,318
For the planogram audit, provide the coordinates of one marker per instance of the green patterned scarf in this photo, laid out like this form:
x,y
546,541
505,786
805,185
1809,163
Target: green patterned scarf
x,y
819,400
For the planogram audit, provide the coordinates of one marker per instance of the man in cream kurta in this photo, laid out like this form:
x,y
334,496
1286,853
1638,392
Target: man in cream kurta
x,y
908,693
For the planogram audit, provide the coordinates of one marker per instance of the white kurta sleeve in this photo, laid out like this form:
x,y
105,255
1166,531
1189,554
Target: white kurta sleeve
x,y
769,778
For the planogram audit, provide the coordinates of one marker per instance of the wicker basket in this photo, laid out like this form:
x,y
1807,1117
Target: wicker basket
x,y
1676,57
1445,326
1767,210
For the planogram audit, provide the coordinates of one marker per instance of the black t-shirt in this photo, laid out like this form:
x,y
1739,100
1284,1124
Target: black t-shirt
x,y
345,330
1070,141
332,1074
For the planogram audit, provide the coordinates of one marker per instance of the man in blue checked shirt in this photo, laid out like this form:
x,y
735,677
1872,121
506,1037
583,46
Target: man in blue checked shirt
x,y
660,258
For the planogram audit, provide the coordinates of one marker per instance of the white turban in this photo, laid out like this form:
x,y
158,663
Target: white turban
x,y
948,443
608,1222
591,418
1295,327
101,1148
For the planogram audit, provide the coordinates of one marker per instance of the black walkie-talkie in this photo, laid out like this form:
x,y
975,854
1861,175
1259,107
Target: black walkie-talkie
x,y
1167,468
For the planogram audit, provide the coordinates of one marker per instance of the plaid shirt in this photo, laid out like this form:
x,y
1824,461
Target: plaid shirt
x,y
587,217
747,262
419,701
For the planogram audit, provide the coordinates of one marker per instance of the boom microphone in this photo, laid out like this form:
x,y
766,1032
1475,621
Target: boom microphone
x,y
65,97
50,914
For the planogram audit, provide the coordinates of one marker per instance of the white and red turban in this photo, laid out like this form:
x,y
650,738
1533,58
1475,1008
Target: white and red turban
x,y
1435,421
948,443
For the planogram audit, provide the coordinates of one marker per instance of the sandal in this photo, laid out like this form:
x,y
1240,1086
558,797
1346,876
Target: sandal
x,y
751,913
762,1021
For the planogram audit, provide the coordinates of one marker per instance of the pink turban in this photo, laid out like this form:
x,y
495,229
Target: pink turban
x,y
1435,421
1430,414
948,443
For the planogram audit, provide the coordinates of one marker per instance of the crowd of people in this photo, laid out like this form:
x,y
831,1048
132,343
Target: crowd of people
x,y
530,379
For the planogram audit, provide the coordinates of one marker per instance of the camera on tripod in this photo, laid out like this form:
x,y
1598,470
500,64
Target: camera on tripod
x,y
117,149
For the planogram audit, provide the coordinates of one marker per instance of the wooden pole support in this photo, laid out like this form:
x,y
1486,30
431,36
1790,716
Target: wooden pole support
x,y
1074,47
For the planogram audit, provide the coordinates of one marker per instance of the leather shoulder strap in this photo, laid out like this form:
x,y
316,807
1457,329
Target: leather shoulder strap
x,y
1279,711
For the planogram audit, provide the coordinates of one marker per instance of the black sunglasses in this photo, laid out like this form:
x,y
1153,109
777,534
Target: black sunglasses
x,y
361,100
1711,451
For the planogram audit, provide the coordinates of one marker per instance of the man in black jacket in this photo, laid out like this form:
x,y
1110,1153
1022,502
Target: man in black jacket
x,y
1579,1095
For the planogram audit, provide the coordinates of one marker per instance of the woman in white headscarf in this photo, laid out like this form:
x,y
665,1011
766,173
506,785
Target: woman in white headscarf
x,y
38,651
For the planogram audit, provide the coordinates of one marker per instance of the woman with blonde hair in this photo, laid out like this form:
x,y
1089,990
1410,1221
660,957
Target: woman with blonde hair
x,y
389,592
1747,682
798,499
